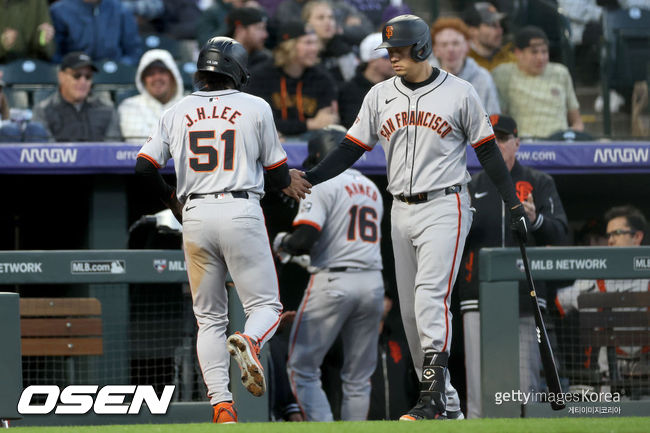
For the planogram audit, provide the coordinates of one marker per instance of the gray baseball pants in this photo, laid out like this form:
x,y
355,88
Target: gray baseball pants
x,y
350,303
221,235
428,240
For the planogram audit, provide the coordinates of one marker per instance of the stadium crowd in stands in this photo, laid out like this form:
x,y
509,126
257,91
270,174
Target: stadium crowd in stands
x,y
476,43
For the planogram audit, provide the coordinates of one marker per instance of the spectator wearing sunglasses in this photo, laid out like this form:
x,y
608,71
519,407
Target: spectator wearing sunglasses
x,y
73,113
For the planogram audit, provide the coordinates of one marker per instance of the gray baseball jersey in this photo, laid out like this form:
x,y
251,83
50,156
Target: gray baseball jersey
x,y
345,297
347,210
424,132
220,142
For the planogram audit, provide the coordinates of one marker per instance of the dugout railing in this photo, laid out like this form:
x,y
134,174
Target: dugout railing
x,y
500,270
105,275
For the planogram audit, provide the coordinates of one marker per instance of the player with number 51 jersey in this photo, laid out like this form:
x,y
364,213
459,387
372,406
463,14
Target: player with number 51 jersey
x,y
221,141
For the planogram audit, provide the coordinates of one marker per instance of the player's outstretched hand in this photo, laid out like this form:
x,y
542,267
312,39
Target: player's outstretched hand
x,y
299,186
518,223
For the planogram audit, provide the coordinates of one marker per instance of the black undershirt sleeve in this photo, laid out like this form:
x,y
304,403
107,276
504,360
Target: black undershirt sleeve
x,y
279,177
301,240
491,159
153,180
336,162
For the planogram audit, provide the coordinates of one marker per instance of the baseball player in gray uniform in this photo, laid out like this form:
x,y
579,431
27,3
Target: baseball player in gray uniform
x,y
339,225
221,140
424,118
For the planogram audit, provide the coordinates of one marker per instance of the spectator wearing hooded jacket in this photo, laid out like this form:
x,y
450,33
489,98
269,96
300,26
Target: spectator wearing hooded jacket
x,y
301,93
160,85
450,37
103,29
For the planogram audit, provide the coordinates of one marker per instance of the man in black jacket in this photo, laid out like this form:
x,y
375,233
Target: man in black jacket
x,y
549,226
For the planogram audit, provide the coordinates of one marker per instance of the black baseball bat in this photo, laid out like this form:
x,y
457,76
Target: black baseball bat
x,y
545,350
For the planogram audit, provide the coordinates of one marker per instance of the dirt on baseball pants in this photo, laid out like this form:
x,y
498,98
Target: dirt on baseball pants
x,y
428,241
221,235
349,303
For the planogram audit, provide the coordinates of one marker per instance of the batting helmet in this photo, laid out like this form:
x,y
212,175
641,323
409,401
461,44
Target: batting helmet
x,y
407,30
225,56
321,142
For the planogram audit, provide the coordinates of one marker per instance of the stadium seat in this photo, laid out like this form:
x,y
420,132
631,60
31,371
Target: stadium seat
x,y
17,98
40,94
625,57
113,73
545,15
29,72
187,70
570,135
122,94
152,41
25,76
112,78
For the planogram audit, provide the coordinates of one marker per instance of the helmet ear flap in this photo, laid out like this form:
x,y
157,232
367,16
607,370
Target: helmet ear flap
x,y
421,50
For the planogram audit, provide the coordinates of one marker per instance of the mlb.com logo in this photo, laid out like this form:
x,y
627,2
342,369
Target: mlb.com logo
x,y
80,399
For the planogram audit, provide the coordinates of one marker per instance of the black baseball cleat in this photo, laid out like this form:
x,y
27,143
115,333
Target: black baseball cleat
x,y
425,409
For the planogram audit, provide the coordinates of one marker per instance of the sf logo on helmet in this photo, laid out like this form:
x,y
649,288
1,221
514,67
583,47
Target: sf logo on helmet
x,y
389,32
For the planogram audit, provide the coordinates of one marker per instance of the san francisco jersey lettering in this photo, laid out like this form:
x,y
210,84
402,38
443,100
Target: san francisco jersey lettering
x,y
426,149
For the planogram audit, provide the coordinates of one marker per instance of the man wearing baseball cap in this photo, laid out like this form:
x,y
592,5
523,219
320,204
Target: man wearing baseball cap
x,y
72,113
534,78
549,226
486,35
375,67
247,26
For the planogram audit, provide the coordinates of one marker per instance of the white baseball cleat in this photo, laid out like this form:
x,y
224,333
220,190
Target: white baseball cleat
x,y
245,352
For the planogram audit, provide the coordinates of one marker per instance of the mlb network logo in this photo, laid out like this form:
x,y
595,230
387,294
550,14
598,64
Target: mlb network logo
x,y
80,399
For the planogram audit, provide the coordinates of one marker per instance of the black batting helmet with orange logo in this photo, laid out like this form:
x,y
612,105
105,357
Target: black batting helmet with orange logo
x,y
407,30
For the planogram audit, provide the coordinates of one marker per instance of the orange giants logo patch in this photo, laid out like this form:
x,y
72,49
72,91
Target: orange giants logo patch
x,y
389,32
523,190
